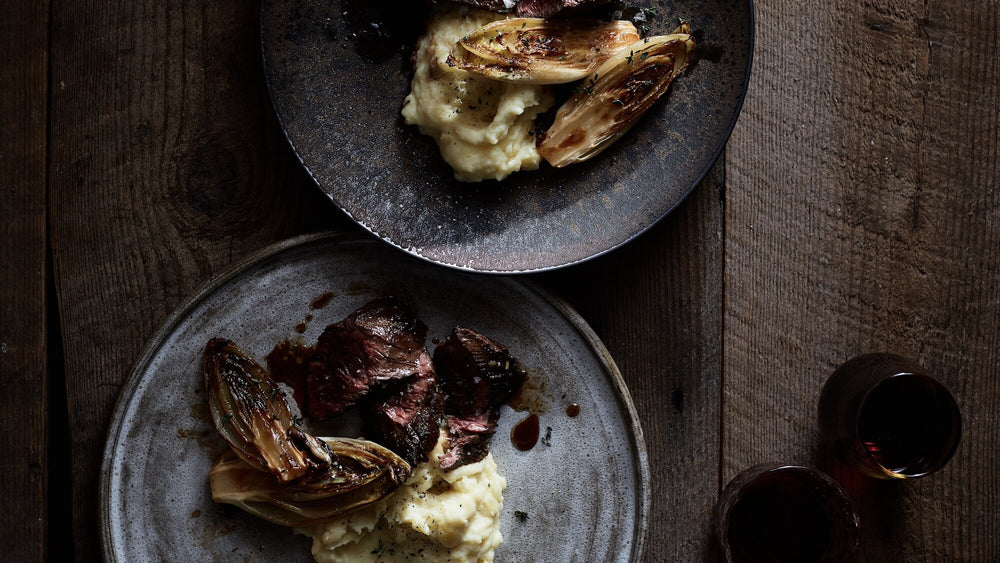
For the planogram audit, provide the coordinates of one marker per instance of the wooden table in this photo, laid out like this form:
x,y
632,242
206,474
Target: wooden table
x,y
856,209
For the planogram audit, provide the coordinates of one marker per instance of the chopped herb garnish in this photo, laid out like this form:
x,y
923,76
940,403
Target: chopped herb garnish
x,y
628,59
643,56
378,549
520,515
547,440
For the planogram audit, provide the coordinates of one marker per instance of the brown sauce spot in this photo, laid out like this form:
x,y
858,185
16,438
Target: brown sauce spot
x,y
322,300
288,363
301,327
524,435
196,513
309,318
572,410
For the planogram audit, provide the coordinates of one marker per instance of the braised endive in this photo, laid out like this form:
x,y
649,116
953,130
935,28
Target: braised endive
x,y
361,473
274,469
537,51
613,98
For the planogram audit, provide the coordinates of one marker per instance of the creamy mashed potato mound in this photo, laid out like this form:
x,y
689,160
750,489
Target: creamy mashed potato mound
x,y
483,127
434,516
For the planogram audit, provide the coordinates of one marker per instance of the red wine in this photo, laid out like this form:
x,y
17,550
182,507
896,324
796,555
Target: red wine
x,y
906,424
884,415
781,516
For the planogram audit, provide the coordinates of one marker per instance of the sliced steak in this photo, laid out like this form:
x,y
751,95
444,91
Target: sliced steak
x,y
538,8
477,376
529,8
548,8
491,5
405,417
380,342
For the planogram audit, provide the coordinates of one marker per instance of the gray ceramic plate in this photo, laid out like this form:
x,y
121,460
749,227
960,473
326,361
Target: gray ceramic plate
x,y
586,495
338,94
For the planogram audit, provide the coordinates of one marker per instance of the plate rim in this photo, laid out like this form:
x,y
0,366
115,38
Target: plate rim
x,y
716,153
622,395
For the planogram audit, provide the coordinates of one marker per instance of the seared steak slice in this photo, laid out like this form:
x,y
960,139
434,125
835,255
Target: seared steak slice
x,y
380,342
468,439
405,416
546,8
491,5
529,8
477,375
538,8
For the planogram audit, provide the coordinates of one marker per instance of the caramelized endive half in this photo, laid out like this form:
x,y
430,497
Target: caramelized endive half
x,y
360,473
250,412
274,469
537,51
613,98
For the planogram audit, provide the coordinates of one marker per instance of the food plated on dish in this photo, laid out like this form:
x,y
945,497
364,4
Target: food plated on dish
x,y
482,79
339,75
420,486
157,495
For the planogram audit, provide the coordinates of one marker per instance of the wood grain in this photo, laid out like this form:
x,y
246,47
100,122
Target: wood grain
x,y
862,215
657,305
23,370
166,165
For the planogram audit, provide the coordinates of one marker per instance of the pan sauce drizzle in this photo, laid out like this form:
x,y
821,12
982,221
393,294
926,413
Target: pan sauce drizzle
x,y
524,435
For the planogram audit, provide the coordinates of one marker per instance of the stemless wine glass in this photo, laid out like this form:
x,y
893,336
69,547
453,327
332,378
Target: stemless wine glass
x,y
886,416
784,513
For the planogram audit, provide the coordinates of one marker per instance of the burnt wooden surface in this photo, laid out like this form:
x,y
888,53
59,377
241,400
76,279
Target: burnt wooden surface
x,y
856,210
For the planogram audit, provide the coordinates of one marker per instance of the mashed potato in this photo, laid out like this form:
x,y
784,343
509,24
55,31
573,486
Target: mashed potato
x,y
483,127
434,516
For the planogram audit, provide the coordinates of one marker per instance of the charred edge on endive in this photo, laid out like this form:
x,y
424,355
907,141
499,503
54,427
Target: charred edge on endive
x,y
611,100
536,51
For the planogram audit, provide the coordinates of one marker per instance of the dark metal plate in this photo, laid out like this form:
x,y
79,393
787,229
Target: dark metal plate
x,y
338,97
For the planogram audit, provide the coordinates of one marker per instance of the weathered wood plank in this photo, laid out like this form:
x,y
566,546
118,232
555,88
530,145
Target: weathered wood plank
x,y
23,369
862,215
166,165
657,305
